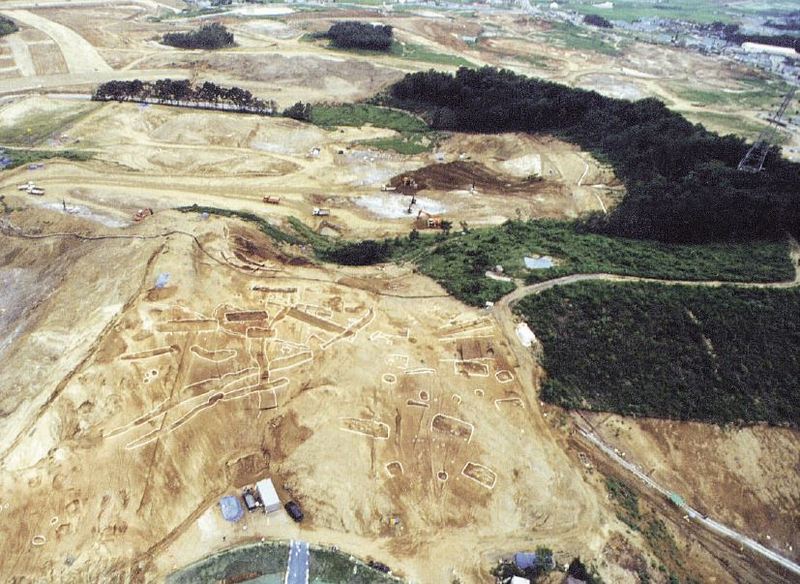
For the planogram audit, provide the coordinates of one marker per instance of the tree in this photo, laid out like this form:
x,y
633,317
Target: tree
x,y
358,35
7,26
299,111
211,36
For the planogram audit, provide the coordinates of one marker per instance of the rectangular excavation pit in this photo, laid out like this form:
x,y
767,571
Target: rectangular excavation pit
x,y
471,368
482,475
372,428
246,315
150,353
315,321
258,332
452,426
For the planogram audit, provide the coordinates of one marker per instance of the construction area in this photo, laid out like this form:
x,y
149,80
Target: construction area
x,y
158,368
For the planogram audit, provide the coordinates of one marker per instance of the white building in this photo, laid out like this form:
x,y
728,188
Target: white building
x,y
772,50
266,490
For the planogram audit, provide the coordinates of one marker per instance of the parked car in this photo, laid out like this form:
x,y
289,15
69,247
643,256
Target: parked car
x,y
294,511
379,566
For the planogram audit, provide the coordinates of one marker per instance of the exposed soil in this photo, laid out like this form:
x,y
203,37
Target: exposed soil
x,y
398,418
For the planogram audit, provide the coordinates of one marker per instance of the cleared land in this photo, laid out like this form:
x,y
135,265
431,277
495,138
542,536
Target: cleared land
x,y
407,426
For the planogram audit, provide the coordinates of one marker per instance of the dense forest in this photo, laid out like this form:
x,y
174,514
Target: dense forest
x,y
689,353
181,92
7,26
210,36
682,181
358,35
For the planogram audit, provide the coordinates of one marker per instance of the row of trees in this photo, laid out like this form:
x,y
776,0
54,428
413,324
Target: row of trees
x,y
210,36
7,26
682,182
181,92
358,35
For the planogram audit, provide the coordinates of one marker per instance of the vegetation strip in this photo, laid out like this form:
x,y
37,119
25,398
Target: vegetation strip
x,y
22,156
719,355
181,92
265,226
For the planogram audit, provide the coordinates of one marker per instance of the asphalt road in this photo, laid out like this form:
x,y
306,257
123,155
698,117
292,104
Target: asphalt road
x,y
297,568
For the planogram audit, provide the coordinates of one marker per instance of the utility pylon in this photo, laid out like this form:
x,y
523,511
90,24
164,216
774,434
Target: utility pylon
x,y
753,161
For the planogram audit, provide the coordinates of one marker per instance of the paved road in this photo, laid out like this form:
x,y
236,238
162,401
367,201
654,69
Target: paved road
x,y
502,311
297,567
711,524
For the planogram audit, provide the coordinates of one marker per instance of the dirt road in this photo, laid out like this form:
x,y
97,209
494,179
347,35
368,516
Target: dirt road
x,y
79,54
21,54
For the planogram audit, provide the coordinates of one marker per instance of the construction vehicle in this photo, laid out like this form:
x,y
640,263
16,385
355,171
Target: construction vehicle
x,y
142,214
272,200
409,182
413,202
425,219
31,188
317,212
388,188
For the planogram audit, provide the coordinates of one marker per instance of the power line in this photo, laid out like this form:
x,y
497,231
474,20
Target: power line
x,y
753,161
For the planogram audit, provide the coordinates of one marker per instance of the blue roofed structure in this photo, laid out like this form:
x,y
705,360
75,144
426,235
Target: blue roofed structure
x,y
525,560
231,508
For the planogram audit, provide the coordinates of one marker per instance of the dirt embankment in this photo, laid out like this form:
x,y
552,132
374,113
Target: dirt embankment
x,y
466,175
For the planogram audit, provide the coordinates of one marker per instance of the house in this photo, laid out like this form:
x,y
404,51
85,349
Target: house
x,y
268,495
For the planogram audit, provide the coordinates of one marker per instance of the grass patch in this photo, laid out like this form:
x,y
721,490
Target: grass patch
x,y
402,50
627,500
631,10
330,567
405,143
265,226
719,355
758,94
414,135
21,156
458,262
419,53
234,565
580,38
37,127
358,115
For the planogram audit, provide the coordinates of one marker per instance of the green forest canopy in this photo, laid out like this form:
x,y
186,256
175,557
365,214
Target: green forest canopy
x,y
682,181
716,355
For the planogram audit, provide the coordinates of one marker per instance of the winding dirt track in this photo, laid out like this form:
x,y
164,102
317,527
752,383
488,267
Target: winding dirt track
x,y
502,312
81,57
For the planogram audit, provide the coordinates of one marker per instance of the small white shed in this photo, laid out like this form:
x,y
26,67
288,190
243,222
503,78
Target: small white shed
x,y
266,490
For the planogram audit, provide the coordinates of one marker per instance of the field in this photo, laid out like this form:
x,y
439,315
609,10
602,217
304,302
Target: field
x,y
149,368
685,353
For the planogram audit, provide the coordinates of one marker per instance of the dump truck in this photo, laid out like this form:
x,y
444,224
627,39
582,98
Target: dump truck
x,y
142,214
272,200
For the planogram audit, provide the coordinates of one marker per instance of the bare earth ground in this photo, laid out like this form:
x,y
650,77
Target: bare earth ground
x,y
748,473
401,420
426,431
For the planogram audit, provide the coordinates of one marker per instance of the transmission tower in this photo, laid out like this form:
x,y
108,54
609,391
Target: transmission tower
x,y
753,161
